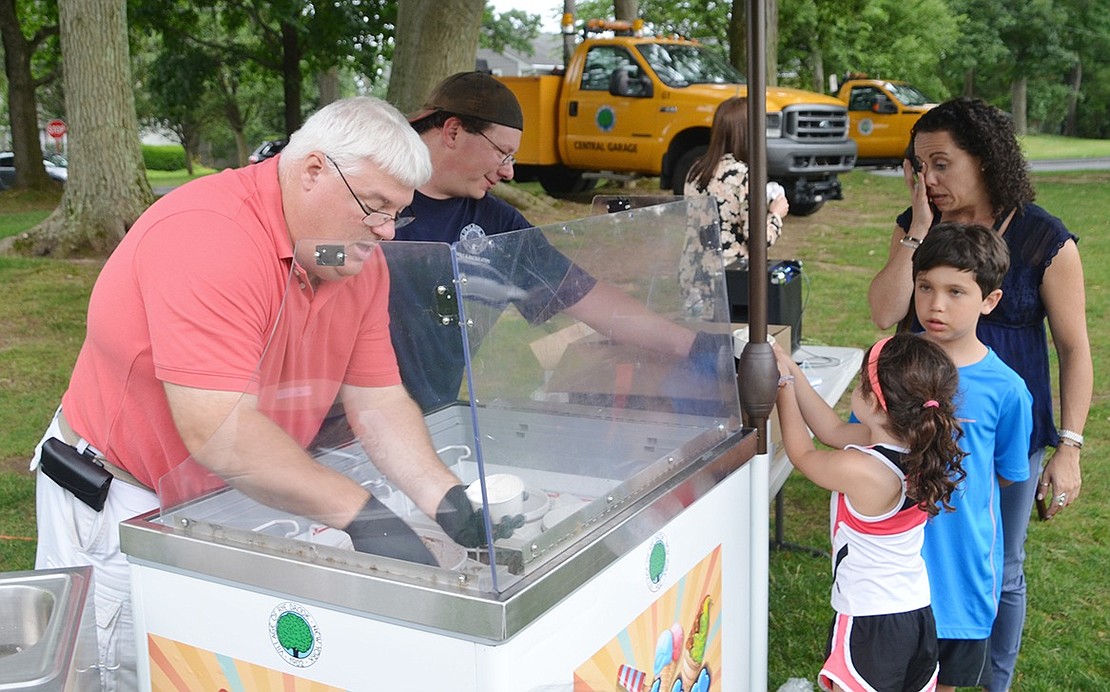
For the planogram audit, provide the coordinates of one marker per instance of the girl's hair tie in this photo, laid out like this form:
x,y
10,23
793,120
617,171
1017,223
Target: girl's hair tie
x,y
932,403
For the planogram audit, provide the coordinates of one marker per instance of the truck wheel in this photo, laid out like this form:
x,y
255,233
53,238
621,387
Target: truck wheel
x,y
561,182
805,209
682,168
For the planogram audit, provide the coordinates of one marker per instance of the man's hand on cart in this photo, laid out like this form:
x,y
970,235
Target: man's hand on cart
x,y
376,529
465,525
693,381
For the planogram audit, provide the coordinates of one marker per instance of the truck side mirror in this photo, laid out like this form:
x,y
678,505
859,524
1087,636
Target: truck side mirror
x,y
623,84
619,83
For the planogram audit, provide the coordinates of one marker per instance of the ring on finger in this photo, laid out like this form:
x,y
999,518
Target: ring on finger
x,y
1062,499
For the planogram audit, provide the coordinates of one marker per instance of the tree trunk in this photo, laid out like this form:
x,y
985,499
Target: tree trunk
x,y
738,39
969,82
190,142
451,26
1070,125
626,9
1018,91
569,40
772,56
107,187
22,107
328,84
291,76
818,57
236,122
738,36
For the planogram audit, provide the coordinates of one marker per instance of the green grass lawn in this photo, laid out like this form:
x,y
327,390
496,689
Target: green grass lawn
x,y
1056,147
1067,644
1067,638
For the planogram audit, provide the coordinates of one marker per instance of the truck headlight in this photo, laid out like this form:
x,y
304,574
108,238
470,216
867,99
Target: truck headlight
x,y
774,125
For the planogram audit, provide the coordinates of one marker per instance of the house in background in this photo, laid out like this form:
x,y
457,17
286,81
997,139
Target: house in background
x,y
547,54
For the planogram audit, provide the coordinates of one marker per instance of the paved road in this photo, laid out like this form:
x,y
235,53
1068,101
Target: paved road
x,y
1071,165
1099,164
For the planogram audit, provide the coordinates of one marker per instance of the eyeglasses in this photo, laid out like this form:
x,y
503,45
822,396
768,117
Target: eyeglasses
x,y
373,217
509,160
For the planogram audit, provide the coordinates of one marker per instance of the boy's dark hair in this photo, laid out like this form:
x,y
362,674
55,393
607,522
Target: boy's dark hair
x,y
966,247
988,134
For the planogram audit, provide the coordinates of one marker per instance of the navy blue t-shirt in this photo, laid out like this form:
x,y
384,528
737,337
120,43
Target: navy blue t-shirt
x,y
523,270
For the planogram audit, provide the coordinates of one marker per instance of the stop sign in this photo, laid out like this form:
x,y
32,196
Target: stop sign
x,y
56,129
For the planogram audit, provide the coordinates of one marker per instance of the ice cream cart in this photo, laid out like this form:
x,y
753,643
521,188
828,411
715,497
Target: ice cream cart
x,y
631,563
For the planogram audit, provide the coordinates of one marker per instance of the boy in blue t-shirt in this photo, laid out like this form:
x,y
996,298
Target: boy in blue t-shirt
x,y
958,271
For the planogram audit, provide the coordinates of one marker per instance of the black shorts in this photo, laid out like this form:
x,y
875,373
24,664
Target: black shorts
x,y
964,662
882,652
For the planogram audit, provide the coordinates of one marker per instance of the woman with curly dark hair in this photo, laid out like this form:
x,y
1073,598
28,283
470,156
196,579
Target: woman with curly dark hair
x,y
964,164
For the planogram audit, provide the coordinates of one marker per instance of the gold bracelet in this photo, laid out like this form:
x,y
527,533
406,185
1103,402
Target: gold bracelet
x,y
1068,442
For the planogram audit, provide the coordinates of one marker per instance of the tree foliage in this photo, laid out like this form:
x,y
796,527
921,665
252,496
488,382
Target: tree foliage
x,y
29,34
514,29
225,74
290,38
107,189
451,27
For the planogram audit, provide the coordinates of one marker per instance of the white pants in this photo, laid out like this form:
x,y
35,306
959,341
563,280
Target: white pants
x,y
71,534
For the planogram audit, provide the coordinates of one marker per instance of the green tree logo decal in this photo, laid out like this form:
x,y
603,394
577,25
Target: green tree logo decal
x,y
606,118
294,634
657,562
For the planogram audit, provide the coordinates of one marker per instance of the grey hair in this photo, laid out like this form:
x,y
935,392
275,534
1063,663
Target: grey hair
x,y
355,130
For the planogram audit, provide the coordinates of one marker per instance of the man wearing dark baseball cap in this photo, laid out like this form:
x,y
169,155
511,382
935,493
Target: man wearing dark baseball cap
x,y
472,126
473,95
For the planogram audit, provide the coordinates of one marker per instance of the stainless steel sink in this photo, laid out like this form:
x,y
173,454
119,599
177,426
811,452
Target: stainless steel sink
x,y
47,630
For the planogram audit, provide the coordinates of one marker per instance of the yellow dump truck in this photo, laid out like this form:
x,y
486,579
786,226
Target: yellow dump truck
x,y
631,105
882,112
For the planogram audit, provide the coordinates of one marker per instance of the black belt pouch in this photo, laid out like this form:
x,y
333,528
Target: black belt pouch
x,y
81,475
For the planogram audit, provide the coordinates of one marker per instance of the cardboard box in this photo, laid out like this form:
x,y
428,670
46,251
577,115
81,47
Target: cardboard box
x,y
587,369
781,334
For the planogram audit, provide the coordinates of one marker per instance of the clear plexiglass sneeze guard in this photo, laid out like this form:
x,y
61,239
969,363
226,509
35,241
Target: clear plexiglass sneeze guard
x,y
538,358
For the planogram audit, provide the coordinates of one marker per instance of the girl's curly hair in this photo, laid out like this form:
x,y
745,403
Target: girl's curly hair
x,y
918,384
988,134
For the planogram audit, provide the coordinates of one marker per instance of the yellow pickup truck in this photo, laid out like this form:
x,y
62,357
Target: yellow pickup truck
x,y
882,112
629,105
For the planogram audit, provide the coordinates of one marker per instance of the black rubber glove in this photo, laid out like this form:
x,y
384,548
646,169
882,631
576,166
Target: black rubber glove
x,y
377,530
465,525
693,383
706,351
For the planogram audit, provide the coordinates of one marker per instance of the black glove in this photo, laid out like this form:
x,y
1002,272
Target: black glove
x,y
706,351
465,525
376,529
692,384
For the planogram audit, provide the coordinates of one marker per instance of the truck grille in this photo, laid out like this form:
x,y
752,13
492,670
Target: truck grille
x,y
816,123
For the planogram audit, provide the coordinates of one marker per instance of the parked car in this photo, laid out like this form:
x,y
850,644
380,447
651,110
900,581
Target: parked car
x,y
266,150
55,165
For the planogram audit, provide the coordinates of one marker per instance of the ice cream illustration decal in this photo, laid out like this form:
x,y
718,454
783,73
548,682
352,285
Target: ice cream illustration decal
x,y
677,666
695,675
